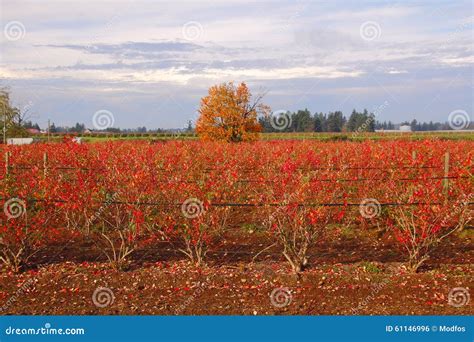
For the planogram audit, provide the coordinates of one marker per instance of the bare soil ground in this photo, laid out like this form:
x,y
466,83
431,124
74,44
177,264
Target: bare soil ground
x,y
355,274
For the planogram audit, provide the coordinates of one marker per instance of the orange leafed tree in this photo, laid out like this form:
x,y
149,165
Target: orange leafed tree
x,y
230,113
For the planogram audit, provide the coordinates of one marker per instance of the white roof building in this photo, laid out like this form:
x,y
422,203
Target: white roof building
x,y
19,141
405,128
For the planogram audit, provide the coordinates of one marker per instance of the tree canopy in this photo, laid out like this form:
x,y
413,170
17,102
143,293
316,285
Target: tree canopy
x,y
230,113
11,118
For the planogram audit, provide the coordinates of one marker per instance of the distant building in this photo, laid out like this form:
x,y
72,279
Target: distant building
x,y
405,128
386,130
20,141
33,131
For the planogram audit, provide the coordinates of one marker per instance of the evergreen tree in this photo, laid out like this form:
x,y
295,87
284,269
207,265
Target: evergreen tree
x,y
335,122
302,121
351,125
317,123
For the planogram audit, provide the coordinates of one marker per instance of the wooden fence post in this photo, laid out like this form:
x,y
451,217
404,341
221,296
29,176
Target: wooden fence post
x,y
7,162
45,164
446,175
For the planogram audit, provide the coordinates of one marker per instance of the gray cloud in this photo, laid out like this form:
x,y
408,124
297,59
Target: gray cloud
x,y
305,53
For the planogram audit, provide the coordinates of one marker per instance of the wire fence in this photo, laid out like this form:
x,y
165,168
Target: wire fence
x,y
233,204
277,180
47,168
10,168
208,169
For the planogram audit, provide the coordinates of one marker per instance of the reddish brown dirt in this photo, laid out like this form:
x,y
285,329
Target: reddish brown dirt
x,y
350,275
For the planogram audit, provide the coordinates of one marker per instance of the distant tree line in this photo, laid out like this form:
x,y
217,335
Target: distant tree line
x,y
427,126
81,128
301,121
304,121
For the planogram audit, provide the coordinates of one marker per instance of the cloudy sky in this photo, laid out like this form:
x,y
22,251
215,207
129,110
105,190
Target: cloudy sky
x,y
149,62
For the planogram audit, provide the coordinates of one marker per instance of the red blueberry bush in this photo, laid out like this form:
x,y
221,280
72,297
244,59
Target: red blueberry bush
x,y
127,195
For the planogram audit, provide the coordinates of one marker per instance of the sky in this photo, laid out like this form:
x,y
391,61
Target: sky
x,y
148,63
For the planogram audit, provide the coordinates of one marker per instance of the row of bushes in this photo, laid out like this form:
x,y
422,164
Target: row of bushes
x,y
128,194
